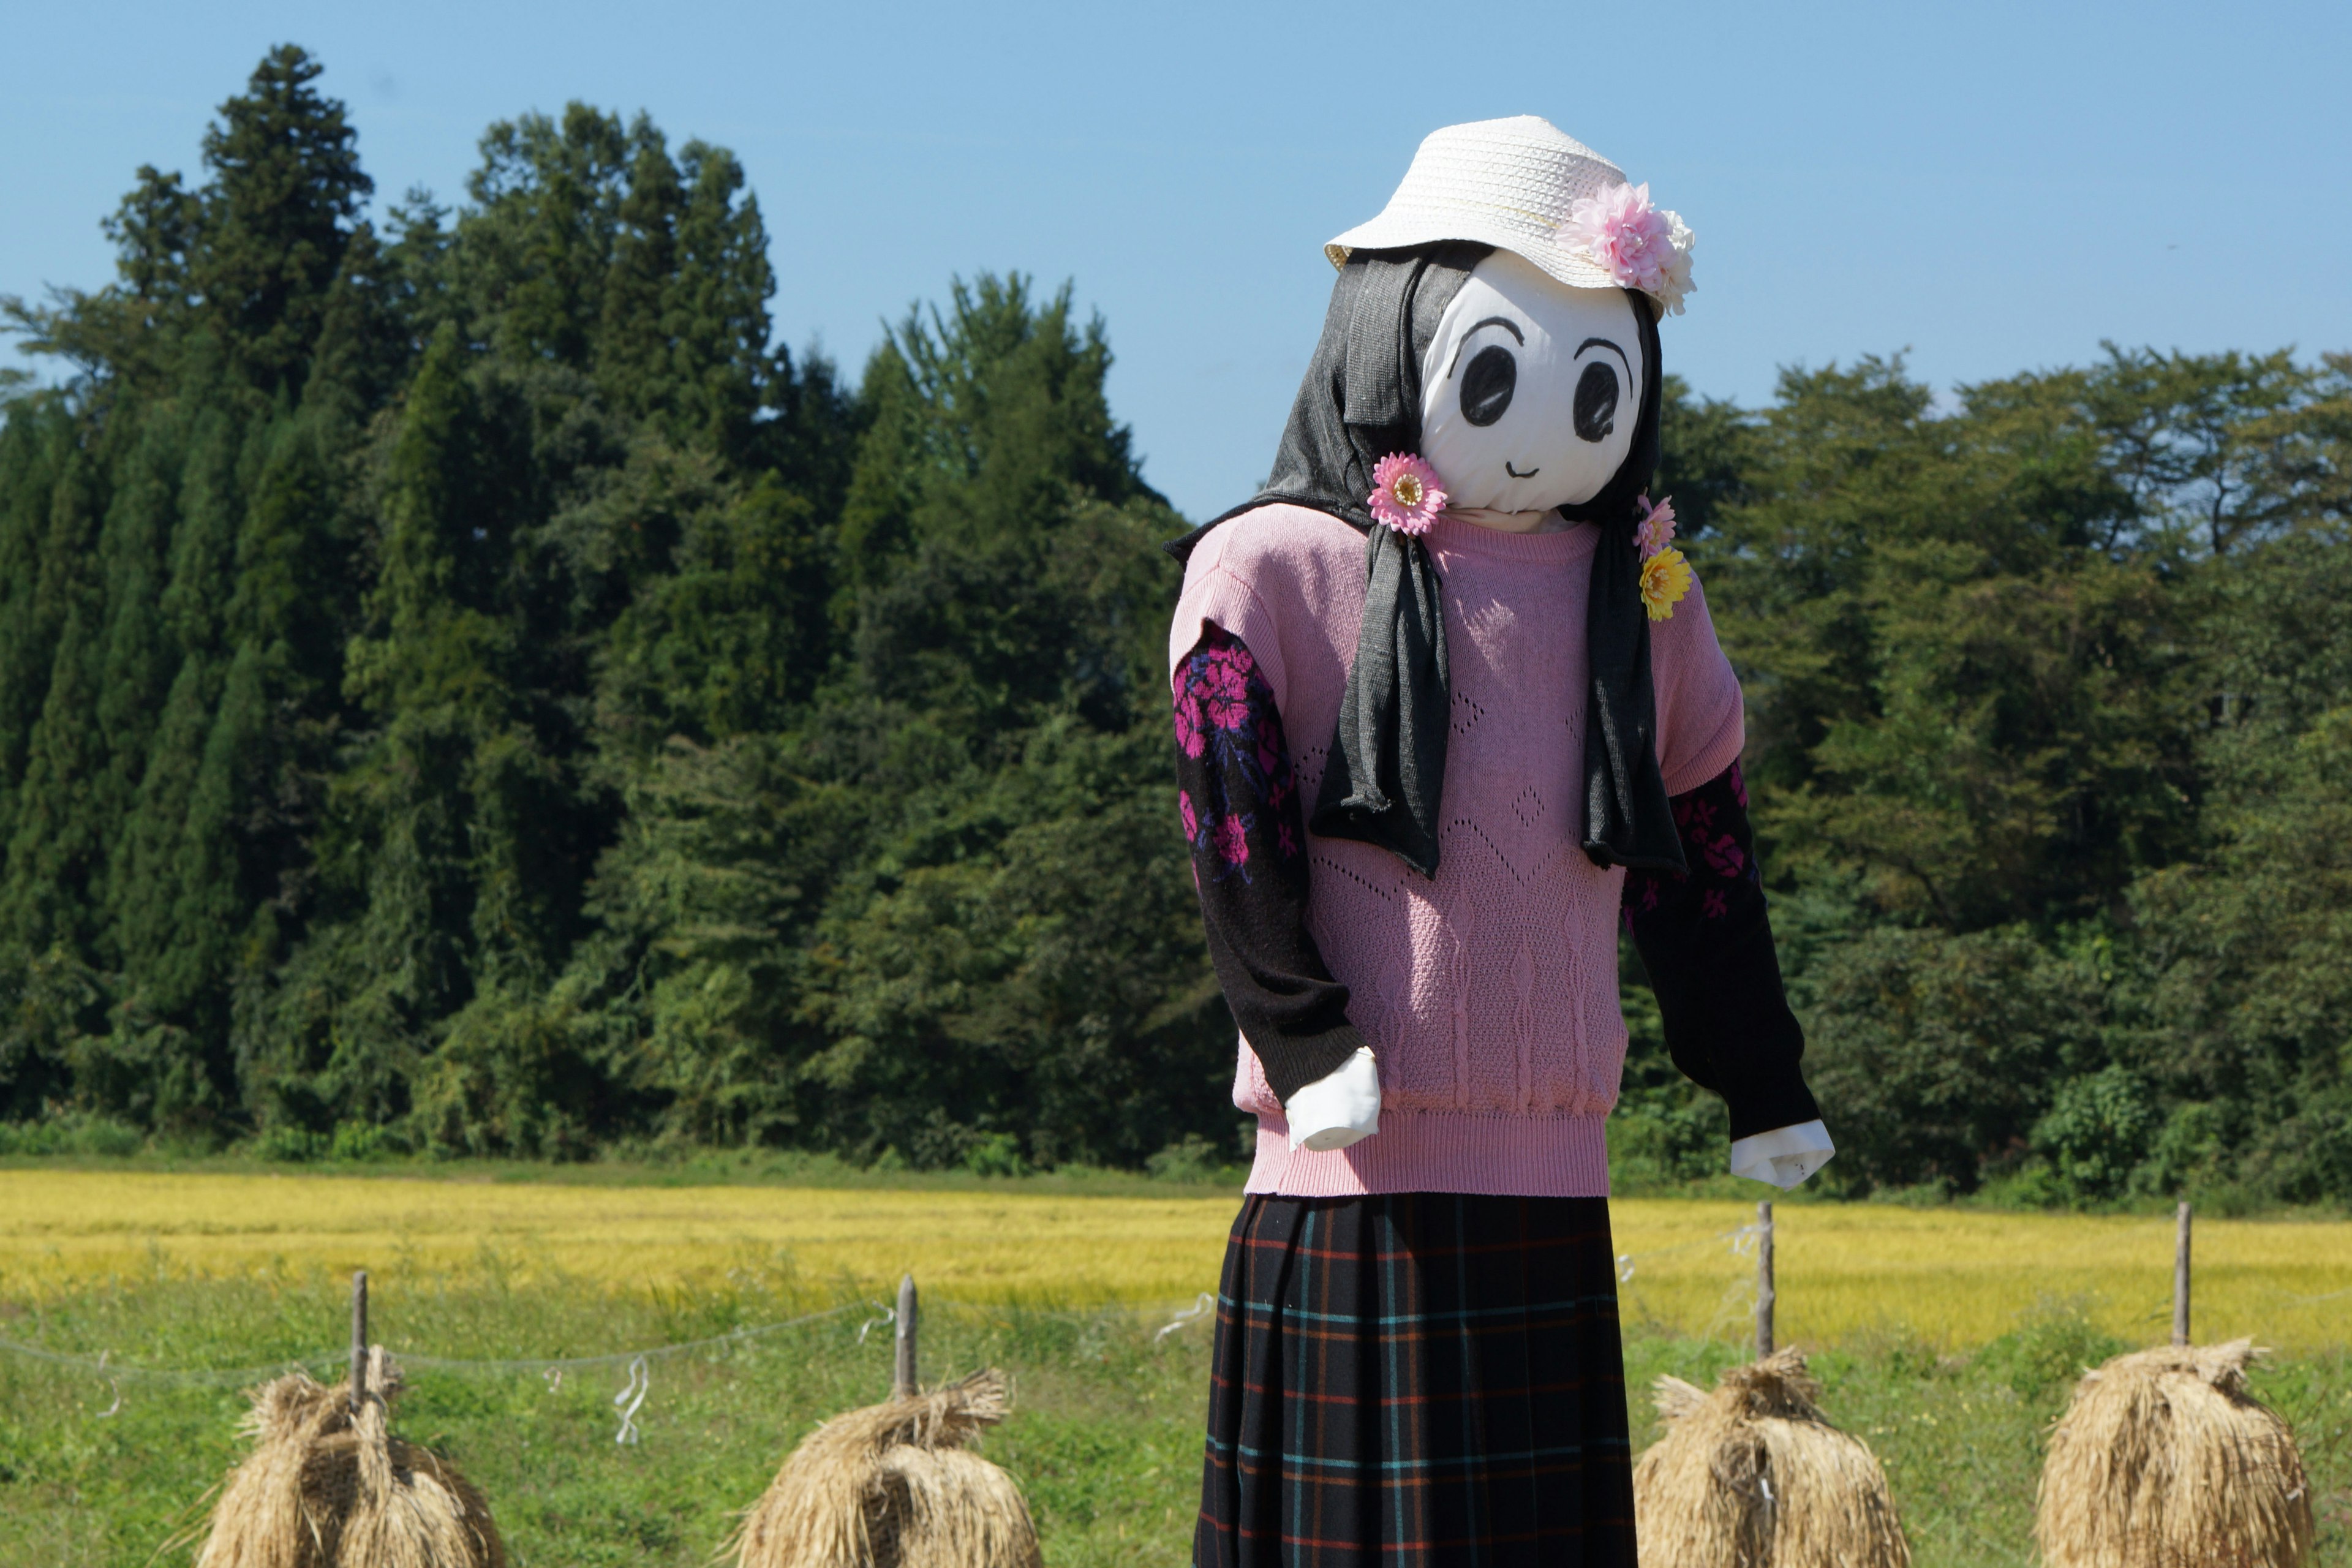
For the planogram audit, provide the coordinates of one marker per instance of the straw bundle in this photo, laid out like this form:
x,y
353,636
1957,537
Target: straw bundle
x,y
892,1485
2163,1460
1753,1476
324,1489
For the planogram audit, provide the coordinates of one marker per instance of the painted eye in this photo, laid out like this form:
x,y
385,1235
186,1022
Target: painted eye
x,y
1596,402
1487,384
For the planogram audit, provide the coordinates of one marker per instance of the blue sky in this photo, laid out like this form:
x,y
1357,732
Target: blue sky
x,y
1990,187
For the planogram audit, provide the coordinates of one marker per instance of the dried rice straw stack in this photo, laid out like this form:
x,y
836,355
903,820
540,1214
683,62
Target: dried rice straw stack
x,y
1754,1475
892,1485
2163,1460
325,1488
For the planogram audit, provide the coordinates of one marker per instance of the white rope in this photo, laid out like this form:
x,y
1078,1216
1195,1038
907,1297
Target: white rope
x,y
890,1316
1202,1308
1742,1241
631,1399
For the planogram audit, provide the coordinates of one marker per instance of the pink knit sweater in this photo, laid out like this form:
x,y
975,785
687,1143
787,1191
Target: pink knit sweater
x,y
1488,994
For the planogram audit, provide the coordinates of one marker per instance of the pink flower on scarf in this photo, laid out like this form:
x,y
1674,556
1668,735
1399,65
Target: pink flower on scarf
x,y
1641,246
1184,810
1657,526
1233,841
1405,495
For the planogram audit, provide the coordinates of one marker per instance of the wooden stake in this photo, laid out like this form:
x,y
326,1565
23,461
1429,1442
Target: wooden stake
x,y
359,1341
1763,1279
902,1381
2181,1281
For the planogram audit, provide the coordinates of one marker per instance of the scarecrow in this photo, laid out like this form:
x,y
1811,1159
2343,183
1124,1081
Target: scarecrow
x,y
1449,708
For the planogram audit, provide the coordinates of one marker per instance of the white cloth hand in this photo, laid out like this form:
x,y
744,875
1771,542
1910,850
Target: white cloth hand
x,y
1339,1109
1784,1156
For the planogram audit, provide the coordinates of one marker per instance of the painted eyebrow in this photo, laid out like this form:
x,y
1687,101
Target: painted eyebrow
x,y
1612,348
1505,323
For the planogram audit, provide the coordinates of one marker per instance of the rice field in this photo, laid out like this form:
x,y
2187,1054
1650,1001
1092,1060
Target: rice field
x,y
1949,1278
133,1305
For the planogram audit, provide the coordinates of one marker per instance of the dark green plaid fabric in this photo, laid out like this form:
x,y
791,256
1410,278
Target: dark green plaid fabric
x,y
1418,1380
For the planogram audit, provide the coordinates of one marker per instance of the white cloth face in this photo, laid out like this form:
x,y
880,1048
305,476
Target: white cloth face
x,y
1784,1156
1341,1108
1531,389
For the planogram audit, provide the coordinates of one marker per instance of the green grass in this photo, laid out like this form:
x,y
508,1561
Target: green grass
x,y
1106,1440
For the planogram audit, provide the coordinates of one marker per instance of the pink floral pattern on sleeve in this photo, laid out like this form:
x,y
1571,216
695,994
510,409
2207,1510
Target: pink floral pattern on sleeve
x,y
1237,797
1713,820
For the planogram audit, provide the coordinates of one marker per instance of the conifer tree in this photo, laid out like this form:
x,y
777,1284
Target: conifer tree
x,y
530,260
425,674
143,882
56,847
634,350
35,444
285,189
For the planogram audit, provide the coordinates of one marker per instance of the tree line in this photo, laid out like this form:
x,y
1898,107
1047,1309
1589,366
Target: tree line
x,y
464,689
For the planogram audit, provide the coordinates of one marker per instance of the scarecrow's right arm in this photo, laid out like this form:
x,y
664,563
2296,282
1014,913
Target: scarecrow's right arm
x,y
1239,801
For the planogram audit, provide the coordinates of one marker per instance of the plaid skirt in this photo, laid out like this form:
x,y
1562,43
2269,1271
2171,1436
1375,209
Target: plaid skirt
x,y
1418,1380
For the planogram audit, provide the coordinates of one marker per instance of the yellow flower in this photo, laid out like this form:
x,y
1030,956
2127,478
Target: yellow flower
x,y
1665,578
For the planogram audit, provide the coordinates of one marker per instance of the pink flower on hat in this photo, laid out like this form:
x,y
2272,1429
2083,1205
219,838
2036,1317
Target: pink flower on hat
x,y
1641,246
1404,493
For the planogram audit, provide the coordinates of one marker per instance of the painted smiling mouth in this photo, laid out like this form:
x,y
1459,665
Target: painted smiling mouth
x,y
1515,473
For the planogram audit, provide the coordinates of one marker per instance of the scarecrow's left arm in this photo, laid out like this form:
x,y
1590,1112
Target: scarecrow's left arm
x,y
1707,941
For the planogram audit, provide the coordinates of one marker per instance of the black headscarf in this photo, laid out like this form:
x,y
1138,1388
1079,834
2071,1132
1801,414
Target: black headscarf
x,y
1361,401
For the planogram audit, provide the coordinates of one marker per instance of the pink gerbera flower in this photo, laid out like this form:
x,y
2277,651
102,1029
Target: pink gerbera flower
x,y
1657,527
1405,495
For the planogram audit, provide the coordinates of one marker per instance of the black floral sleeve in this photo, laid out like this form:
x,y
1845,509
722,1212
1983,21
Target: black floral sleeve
x,y
1238,800
1708,944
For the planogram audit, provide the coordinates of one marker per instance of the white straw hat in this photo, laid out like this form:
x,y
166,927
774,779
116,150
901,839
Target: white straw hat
x,y
1516,184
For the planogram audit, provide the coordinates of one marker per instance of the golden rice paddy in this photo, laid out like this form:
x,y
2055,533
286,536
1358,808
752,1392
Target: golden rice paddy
x,y
1951,1276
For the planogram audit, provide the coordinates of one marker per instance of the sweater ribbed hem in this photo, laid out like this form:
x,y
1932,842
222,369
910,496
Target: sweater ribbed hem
x,y
1442,1151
